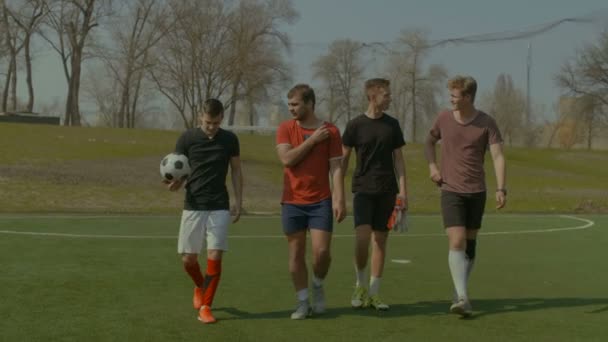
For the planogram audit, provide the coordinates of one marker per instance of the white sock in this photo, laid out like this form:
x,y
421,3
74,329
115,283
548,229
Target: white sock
x,y
302,295
374,286
457,261
361,277
317,281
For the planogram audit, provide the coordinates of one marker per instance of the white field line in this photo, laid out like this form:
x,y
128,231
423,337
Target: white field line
x,y
586,224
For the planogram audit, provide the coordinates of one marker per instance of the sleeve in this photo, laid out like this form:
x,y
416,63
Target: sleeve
x,y
494,136
335,144
399,140
235,151
283,135
435,130
181,146
348,137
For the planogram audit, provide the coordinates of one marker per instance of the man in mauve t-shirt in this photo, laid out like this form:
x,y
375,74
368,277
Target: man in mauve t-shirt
x,y
465,134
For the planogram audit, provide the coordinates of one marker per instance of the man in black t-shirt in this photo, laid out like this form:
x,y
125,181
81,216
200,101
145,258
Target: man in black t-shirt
x,y
206,215
377,140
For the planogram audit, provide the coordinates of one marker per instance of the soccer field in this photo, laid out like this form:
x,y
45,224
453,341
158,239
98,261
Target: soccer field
x,y
118,278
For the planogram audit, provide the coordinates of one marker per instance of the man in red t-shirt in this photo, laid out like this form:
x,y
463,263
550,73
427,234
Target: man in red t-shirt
x,y
311,151
465,134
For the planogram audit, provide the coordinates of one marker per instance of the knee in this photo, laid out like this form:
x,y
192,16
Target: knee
x,y
189,260
322,255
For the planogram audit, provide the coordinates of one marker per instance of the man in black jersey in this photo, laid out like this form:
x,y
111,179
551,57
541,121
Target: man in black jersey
x,y
377,140
206,215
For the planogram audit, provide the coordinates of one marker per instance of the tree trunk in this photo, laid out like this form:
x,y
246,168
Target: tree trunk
x,y
74,110
28,68
7,84
235,89
14,84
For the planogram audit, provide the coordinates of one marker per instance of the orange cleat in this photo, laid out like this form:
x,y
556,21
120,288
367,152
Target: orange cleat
x,y
205,315
197,300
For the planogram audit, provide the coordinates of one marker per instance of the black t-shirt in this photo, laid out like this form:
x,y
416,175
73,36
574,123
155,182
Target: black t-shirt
x,y
374,141
209,160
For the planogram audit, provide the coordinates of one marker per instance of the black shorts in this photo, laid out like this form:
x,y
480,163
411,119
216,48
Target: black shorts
x,y
373,209
463,210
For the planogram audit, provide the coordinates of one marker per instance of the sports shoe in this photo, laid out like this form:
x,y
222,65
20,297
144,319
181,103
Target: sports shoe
x,y
205,315
197,299
302,310
359,298
462,308
376,303
318,299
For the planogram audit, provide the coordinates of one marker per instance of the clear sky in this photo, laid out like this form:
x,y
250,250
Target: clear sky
x,y
322,21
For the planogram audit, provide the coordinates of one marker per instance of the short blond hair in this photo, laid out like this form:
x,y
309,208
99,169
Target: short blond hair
x,y
466,84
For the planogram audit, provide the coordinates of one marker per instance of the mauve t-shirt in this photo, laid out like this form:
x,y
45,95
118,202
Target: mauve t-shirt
x,y
463,148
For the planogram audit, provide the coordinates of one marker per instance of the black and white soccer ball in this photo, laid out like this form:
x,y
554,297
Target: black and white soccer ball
x,y
174,166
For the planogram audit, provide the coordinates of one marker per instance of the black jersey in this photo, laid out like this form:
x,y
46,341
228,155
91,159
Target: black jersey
x,y
374,141
209,160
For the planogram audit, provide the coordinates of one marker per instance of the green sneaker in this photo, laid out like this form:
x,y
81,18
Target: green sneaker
x,y
359,298
375,302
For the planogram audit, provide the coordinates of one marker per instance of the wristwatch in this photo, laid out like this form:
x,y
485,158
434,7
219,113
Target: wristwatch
x,y
504,191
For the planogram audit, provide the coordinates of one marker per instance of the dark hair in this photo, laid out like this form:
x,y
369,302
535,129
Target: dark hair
x,y
373,84
305,91
213,108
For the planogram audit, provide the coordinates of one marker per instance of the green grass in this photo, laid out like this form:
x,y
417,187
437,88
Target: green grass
x,y
105,170
525,287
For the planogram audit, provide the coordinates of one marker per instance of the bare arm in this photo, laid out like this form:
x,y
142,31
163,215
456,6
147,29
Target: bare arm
x,y
237,185
401,178
337,176
345,158
431,158
291,156
499,169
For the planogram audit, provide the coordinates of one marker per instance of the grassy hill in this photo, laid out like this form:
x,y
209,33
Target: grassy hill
x,y
105,170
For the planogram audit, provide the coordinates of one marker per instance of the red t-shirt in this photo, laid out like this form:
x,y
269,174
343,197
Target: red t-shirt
x,y
308,181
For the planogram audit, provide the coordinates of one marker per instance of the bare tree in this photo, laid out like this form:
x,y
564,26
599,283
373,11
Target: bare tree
x,y
257,45
72,22
27,15
13,39
341,71
507,104
586,77
193,59
127,59
415,89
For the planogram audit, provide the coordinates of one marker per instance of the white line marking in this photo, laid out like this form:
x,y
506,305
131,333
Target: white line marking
x,y
587,224
401,261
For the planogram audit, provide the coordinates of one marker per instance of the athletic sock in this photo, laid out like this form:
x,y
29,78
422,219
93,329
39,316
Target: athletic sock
x,y
374,286
457,261
212,279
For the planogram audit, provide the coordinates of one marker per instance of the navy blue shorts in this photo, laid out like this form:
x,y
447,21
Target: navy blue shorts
x,y
373,209
296,217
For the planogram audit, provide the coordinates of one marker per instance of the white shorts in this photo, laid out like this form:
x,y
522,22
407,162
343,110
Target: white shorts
x,y
203,229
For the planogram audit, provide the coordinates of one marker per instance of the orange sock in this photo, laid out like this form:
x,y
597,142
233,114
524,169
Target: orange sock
x,y
194,271
212,278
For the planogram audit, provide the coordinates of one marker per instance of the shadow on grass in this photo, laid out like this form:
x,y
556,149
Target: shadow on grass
x,y
481,308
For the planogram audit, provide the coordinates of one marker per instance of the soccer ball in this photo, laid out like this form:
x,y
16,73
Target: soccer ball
x,y
174,166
